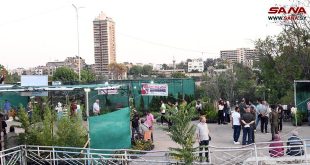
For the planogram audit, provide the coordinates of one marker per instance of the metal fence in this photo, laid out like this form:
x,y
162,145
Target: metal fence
x,y
254,154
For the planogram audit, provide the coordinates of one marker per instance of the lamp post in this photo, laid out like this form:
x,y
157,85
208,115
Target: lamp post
x,y
87,90
78,38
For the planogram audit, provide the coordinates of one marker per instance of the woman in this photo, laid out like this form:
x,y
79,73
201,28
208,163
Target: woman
x,y
220,112
276,147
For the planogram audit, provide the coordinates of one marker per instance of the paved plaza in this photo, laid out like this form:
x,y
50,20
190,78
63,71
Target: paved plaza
x,y
222,135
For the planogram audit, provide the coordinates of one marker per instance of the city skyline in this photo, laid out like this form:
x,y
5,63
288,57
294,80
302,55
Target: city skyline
x,y
145,31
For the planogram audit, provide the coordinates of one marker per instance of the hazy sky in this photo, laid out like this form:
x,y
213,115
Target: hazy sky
x,y
33,32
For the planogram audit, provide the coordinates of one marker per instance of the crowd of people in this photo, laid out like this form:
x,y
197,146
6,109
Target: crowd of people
x,y
246,116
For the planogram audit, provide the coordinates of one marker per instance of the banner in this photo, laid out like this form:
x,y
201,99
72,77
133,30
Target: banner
x,y
154,89
108,90
34,93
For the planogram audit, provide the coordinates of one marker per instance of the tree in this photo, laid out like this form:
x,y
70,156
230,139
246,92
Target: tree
x,y
136,71
65,75
141,106
183,133
87,76
178,75
147,70
208,62
285,58
3,74
166,67
182,65
117,70
47,130
12,78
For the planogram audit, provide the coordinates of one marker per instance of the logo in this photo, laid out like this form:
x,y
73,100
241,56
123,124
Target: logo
x,y
291,10
282,14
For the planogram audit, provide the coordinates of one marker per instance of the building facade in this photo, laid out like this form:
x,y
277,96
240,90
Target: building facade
x,y
244,56
195,65
104,44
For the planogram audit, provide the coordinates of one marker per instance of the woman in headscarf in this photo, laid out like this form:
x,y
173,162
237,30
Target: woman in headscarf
x,y
276,147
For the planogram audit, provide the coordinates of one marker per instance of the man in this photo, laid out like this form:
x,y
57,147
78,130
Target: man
x,y
227,111
202,133
295,145
274,121
7,107
280,114
262,114
253,112
242,106
135,124
163,112
257,116
235,122
247,121
96,107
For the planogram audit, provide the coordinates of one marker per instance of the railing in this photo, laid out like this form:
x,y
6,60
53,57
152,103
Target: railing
x,y
251,154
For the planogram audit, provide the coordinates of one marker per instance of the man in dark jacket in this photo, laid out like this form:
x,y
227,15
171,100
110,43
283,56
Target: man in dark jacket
x,y
247,121
274,121
295,145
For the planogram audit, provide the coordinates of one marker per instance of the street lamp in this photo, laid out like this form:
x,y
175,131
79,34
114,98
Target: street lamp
x,y
87,90
78,38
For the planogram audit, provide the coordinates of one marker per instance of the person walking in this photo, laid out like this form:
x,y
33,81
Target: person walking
x,y
149,122
235,122
163,112
247,121
202,133
274,123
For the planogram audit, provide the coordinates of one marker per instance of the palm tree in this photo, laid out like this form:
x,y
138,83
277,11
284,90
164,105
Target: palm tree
x,y
183,133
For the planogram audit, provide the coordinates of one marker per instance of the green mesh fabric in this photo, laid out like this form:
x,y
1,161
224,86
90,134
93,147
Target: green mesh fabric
x,y
302,95
110,131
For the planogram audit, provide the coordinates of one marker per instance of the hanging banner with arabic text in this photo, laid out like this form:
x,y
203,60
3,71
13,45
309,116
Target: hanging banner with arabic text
x,y
148,89
108,91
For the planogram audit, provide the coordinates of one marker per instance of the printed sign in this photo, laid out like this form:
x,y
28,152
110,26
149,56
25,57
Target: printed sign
x,y
154,89
108,91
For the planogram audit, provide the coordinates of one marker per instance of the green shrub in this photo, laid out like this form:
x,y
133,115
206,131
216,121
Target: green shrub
x,y
297,118
142,145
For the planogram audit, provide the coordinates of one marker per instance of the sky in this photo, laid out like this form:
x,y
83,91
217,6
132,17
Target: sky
x,y
34,32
